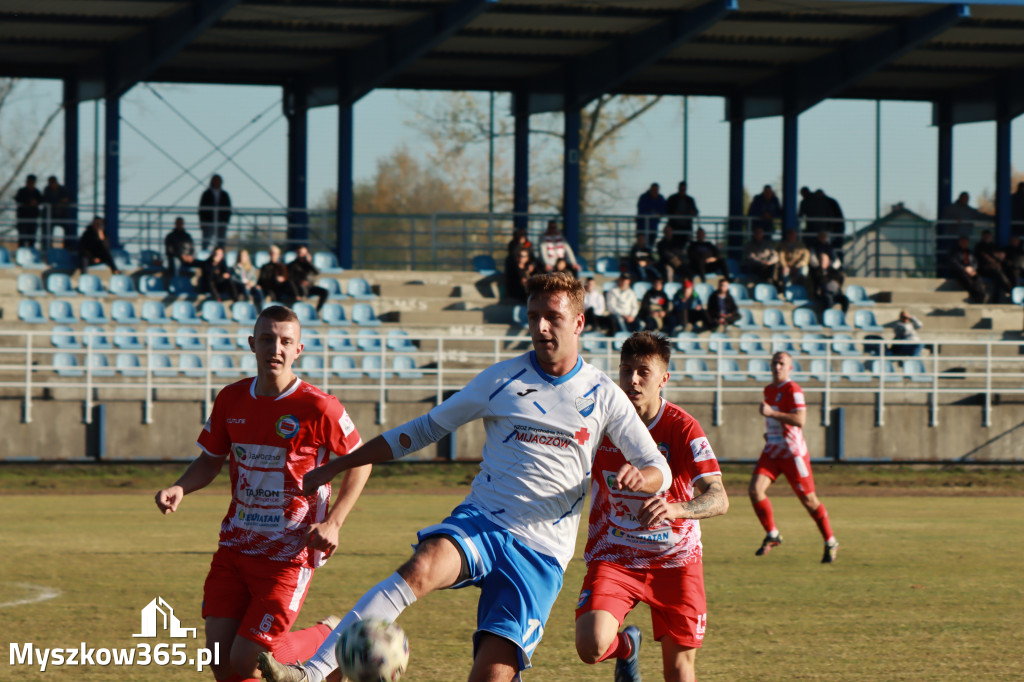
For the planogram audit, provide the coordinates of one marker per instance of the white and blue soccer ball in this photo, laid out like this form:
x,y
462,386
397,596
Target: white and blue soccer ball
x,y
372,650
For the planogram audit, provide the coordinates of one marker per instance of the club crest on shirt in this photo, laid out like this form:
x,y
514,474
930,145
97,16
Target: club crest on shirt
x,y
663,449
287,426
585,406
584,597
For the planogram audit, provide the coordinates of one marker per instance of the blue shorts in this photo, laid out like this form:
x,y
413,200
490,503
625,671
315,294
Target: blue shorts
x,y
518,585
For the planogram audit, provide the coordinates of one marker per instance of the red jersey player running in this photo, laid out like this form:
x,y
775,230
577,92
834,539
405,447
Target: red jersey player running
x,y
272,430
647,549
785,451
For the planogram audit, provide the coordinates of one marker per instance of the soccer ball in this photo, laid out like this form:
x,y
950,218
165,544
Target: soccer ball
x,y
372,650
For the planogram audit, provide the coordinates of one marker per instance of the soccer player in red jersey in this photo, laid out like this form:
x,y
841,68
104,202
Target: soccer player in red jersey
x,y
272,430
785,451
643,548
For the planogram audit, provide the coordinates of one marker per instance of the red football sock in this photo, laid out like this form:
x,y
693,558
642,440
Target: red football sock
x,y
763,509
620,648
820,516
299,645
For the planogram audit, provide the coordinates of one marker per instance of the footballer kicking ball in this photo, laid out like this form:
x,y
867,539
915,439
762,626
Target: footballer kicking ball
x,y
372,650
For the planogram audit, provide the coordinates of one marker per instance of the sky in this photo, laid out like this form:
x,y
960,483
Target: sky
x,y
168,128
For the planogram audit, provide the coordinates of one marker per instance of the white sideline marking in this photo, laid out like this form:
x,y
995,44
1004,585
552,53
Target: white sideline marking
x,y
37,593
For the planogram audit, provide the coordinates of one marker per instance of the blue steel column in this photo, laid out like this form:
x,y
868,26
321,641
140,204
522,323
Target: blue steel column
x,y
298,165
790,135
344,226
736,148
71,150
571,177
1003,179
521,170
112,168
944,196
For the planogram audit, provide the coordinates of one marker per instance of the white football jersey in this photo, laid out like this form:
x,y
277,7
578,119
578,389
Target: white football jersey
x,y
542,434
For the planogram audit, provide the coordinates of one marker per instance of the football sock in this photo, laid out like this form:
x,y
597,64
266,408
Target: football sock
x,y
620,648
385,600
300,644
765,515
820,516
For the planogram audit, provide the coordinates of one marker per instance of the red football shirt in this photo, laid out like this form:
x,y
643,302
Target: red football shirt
x,y
272,443
784,439
614,533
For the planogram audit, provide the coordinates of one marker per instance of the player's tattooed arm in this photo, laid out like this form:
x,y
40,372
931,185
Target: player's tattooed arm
x,y
712,501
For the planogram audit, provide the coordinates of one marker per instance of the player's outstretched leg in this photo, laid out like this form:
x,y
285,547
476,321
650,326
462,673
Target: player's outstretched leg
x,y
818,512
628,669
770,542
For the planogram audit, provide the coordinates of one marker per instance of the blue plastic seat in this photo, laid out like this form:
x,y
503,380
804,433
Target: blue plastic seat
x,y
398,340
333,287
61,312
334,315
129,365
640,289
814,344
191,365
312,366
783,342
59,284
123,312
188,338
798,373
891,373
372,367
607,266
91,285
29,258
797,294
339,340
96,338
122,259
306,314
158,339
312,341
243,313
759,370
63,336
242,338
746,319
154,312
344,367
66,365
806,319
359,288
363,314
720,339
687,342
213,312
853,370
739,294
858,295
327,263
766,294
405,367
150,260
5,258
819,369
152,286
224,366
865,319
601,362
697,370
703,292
1017,296
30,311
126,338
731,370
836,320
594,342
750,345
184,312
619,339
60,259
519,316
92,312
162,365
248,364
914,370
485,265
775,319
181,286
368,340
100,365
122,286
221,339
672,288
29,284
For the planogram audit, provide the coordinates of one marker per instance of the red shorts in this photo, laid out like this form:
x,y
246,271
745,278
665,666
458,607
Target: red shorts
x,y
796,469
675,595
265,596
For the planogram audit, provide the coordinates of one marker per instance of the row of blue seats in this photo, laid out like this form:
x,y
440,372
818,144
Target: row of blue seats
x,y
155,286
190,365
759,369
190,338
185,312
748,343
765,294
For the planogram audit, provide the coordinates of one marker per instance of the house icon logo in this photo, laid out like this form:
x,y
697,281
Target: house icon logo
x,y
158,615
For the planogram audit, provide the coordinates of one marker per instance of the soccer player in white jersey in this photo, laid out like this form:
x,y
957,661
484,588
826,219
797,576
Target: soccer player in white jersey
x,y
646,548
544,413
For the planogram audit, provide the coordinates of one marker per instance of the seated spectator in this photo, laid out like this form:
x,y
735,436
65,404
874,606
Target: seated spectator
x,y
687,311
823,244
518,242
1014,262
761,260
516,274
595,311
179,249
764,210
93,247
905,330
705,258
244,276
672,253
991,261
641,261
722,310
794,260
956,220
623,306
655,306
302,273
273,279
553,246
215,278
827,284
964,268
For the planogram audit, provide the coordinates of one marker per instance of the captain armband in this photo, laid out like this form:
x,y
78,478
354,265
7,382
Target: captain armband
x,y
413,435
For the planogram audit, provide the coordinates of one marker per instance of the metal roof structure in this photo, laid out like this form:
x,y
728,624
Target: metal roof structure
x,y
769,56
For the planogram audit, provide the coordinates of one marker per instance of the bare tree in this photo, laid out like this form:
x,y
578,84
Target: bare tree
x,y
17,148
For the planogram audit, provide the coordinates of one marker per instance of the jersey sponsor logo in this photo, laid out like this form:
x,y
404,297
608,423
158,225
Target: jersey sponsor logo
x,y
584,598
207,425
260,456
642,539
701,449
798,399
287,426
234,421
523,394
582,436
261,488
585,406
345,422
525,434
257,519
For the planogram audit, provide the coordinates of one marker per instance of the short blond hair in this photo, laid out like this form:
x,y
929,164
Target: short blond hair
x,y
555,283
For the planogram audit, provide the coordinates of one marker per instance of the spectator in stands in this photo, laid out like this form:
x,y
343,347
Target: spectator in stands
x,y
681,210
215,277
274,281
794,259
822,244
722,310
687,310
562,265
822,213
991,260
302,273
553,246
834,215
1014,263
519,242
655,306
516,274
641,261
704,257
1017,210
761,260
214,213
765,209
93,248
649,208
905,331
595,311
827,284
245,277
964,268
623,305
28,199
672,253
179,249
58,202
956,220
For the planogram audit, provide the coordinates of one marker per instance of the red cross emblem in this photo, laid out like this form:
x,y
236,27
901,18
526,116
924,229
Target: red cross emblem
x,y
582,436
